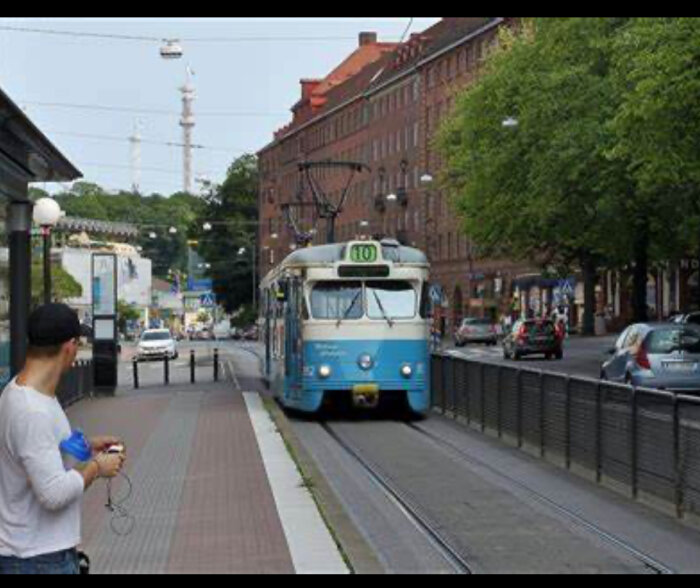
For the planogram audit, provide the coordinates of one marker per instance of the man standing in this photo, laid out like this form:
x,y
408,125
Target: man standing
x,y
40,500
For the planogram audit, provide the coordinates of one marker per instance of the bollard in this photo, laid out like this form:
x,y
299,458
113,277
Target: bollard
x,y
192,366
135,363
166,365
216,364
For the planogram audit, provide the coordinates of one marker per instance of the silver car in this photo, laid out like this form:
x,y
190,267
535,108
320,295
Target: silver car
x,y
664,356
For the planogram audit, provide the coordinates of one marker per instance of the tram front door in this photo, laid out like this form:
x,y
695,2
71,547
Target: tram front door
x,y
294,360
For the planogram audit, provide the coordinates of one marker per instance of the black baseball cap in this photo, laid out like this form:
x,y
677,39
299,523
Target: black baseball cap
x,y
53,324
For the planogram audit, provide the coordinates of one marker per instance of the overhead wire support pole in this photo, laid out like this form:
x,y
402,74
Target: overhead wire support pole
x,y
326,209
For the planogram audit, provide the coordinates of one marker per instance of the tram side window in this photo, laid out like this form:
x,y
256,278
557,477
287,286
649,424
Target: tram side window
x,y
336,300
393,299
425,301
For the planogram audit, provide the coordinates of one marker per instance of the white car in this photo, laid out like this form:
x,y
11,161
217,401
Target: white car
x,y
222,331
157,344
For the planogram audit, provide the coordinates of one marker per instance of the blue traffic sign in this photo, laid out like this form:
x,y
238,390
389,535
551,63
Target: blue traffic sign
x,y
208,300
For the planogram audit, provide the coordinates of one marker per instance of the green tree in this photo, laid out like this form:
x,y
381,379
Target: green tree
x,y
656,66
63,285
550,191
232,209
125,313
536,192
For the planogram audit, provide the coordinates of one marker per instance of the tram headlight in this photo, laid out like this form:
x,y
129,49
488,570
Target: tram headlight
x,y
324,372
406,371
365,362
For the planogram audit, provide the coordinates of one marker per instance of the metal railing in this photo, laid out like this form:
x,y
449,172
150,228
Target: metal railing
x,y
192,367
76,384
646,442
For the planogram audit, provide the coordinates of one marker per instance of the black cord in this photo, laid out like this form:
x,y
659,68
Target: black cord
x,y
122,523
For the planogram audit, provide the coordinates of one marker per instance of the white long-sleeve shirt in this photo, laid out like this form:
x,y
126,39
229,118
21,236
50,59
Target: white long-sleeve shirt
x,y
40,502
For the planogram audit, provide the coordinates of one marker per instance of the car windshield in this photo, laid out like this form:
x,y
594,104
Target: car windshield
x,y
666,341
477,323
391,299
156,337
337,300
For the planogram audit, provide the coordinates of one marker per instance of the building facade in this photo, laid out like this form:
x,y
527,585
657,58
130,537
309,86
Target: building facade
x,y
384,111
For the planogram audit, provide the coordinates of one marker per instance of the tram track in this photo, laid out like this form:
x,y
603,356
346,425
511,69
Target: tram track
x,y
648,561
412,512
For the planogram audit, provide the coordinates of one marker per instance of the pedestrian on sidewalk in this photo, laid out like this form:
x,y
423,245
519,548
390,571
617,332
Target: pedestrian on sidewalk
x,y
40,498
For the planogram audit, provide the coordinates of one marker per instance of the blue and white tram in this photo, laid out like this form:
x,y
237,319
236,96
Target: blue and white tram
x,y
348,324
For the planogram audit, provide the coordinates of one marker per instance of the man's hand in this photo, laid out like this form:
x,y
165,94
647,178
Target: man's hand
x,y
100,444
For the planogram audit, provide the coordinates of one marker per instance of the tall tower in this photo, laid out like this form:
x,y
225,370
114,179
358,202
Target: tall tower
x,y
187,124
135,141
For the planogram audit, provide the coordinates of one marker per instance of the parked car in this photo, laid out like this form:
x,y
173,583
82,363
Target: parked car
x,y
222,330
156,344
251,333
665,356
236,333
474,330
533,337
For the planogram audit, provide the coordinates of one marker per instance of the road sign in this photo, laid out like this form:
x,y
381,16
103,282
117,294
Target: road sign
x,y
207,300
566,287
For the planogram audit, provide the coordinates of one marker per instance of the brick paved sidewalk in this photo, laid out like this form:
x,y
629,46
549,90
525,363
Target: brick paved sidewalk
x,y
202,499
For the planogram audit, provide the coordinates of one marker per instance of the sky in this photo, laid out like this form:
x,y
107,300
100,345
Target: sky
x,y
244,88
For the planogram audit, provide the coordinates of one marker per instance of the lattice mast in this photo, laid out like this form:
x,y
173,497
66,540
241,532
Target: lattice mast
x,y
135,141
187,123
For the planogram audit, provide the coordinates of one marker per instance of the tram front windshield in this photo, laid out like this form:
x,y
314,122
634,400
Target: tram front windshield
x,y
395,299
343,300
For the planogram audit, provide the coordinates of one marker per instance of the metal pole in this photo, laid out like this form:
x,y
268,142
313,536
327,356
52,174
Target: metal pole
x,y
46,234
19,223
135,363
216,364
167,370
192,366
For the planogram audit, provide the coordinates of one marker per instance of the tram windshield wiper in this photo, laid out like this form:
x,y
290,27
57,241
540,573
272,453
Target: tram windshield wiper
x,y
349,308
381,308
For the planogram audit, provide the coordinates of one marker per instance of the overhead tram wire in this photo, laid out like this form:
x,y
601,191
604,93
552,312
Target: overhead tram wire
x,y
143,38
144,141
133,110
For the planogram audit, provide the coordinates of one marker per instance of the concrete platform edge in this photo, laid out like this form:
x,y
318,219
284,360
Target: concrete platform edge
x,y
358,554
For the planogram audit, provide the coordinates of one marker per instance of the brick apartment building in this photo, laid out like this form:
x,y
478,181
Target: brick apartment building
x,y
382,107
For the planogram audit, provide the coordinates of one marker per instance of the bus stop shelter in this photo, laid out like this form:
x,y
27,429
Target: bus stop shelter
x,y
26,156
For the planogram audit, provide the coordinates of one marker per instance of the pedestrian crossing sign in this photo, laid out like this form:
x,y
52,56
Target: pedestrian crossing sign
x,y
207,300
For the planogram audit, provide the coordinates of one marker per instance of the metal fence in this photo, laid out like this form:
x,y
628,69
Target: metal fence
x,y
645,441
76,384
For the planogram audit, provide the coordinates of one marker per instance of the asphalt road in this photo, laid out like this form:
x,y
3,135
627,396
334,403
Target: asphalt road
x,y
583,356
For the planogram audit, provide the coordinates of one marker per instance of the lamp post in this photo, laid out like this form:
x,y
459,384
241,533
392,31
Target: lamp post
x,y
46,214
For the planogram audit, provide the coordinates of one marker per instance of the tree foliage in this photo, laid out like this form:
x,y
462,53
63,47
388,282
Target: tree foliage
x,y
578,182
153,214
63,285
232,209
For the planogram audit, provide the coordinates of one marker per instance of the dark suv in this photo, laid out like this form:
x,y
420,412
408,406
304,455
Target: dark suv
x,y
533,337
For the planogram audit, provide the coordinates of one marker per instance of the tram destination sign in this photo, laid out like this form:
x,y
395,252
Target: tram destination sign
x,y
364,253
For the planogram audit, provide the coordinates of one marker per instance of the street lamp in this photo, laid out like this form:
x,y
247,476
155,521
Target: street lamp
x,y
207,227
426,179
152,235
46,214
173,231
510,123
171,50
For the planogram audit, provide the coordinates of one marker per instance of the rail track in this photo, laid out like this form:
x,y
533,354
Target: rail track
x,y
648,561
413,512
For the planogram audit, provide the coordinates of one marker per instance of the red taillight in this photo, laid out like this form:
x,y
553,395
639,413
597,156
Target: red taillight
x,y
522,333
643,359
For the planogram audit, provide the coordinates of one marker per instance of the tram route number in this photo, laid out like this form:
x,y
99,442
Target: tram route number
x,y
363,253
